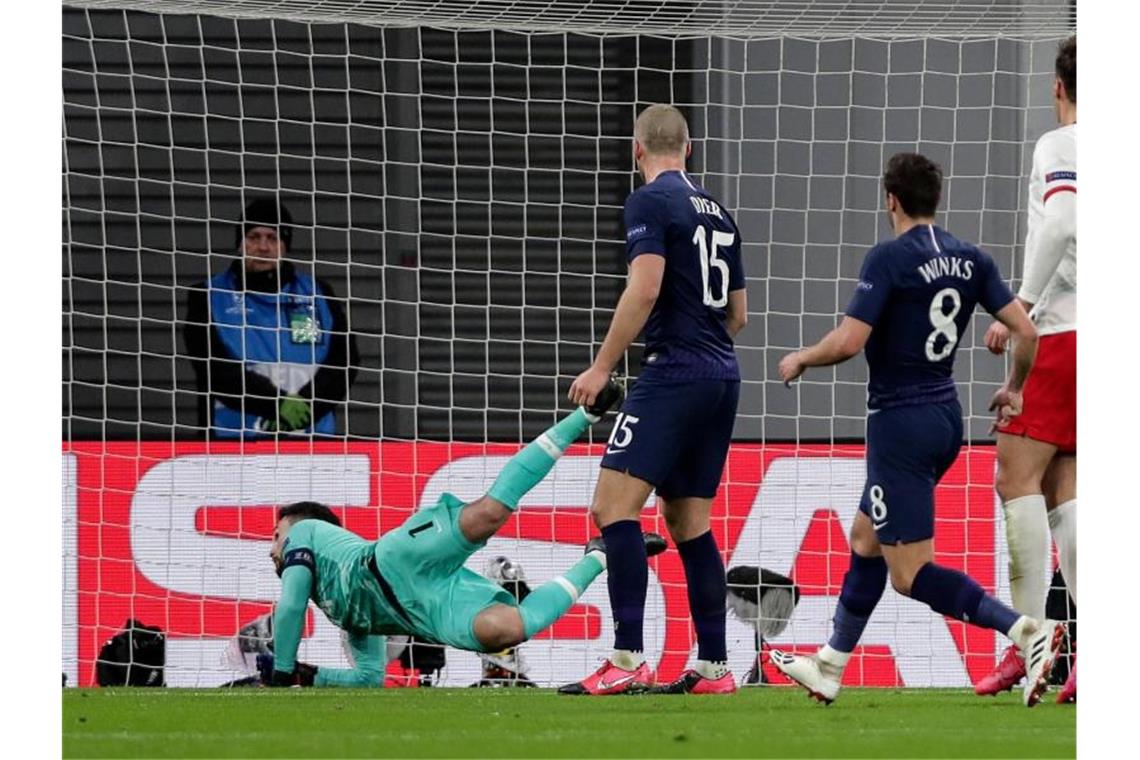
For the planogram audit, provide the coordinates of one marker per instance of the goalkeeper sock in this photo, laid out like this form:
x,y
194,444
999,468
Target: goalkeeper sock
x,y
1027,534
949,592
863,586
1063,524
527,468
627,582
707,586
550,601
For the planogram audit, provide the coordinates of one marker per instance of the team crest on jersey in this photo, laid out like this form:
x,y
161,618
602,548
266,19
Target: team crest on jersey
x,y
1055,176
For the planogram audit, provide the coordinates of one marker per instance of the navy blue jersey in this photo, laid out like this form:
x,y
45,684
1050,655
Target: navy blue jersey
x,y
685,337
918,292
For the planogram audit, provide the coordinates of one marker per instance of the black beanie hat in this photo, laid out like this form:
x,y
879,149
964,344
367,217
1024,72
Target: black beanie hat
x,y
266,211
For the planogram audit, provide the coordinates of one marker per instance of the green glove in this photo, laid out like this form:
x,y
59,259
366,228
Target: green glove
x,y
294,412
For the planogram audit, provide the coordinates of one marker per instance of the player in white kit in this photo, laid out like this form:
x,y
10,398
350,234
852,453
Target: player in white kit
x,y
1037,450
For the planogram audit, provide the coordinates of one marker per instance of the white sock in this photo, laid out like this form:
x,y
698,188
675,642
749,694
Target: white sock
x,y
1022,631
1027,534
627,659
833,657
1063,524
710,669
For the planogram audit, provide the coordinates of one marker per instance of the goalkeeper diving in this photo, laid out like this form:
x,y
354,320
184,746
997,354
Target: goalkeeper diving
x,y
413,580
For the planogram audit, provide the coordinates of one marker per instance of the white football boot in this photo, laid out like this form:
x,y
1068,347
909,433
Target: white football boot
x,y
1040,642
813,672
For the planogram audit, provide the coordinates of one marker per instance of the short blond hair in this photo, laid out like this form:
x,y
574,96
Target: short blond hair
x,y
661,130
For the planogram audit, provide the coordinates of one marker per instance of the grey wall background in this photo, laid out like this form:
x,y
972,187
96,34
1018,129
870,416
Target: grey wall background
x,y
462,192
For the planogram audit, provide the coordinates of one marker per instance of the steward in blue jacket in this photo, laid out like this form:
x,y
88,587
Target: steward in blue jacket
x,y
269,345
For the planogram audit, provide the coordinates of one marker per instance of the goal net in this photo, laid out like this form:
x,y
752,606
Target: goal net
x,y
456,172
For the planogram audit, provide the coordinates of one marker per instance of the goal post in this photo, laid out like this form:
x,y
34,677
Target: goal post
x,y
456,173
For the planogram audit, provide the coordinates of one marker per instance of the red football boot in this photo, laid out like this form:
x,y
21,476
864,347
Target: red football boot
x,y
1004,677
692,682
610,679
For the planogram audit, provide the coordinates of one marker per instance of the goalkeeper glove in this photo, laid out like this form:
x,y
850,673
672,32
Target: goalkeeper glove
x,y
294,413
302,675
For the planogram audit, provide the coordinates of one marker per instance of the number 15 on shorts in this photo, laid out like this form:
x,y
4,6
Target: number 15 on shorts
x,y
622,434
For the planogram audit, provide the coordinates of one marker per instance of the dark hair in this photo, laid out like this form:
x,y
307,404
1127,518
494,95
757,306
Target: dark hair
x,y
267,211
1066,67
916,181
308,510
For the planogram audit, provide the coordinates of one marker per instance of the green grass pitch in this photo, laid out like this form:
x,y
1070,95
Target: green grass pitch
x,y
509,723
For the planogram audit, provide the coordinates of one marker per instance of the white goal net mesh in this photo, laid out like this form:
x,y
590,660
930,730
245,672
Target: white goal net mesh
x,y
455,173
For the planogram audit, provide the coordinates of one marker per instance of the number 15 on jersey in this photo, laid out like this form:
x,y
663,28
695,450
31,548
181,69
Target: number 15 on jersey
x,y
710,261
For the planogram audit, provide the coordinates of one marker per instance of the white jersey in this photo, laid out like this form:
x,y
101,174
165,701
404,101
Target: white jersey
x,y
1050,275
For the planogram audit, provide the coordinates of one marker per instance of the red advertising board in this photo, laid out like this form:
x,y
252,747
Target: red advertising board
x,y
176,535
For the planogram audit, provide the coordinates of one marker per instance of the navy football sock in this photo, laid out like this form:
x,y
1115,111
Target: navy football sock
x,y
862,588
704,576
949,592
627,581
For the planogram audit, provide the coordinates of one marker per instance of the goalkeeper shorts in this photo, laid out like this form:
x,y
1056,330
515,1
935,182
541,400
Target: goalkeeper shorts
x,y
423,562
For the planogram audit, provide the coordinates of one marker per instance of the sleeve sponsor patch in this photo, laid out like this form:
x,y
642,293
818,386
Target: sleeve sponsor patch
x,y
637,231
1058,176
864,285
301,556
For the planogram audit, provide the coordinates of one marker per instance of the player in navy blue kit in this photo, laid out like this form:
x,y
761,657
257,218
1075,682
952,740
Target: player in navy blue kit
x,y
686,288
911,306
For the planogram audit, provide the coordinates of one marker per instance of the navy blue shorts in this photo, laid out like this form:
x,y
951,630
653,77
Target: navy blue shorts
x,y
675,434
909,449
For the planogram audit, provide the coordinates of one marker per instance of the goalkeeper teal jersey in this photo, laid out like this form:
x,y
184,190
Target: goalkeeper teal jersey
x,y
422,563
343,586
329,565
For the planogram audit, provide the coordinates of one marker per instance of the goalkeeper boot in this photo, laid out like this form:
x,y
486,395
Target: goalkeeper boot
x,y
654,544
1008,673
495,676
692,682
1069,690
1041,642
607,398
821,679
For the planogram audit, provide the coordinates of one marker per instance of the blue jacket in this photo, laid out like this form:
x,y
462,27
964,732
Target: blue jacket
x,y
257,337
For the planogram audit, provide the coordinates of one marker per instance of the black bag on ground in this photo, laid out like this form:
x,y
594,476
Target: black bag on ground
x,y
135,656
425,656
764,600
